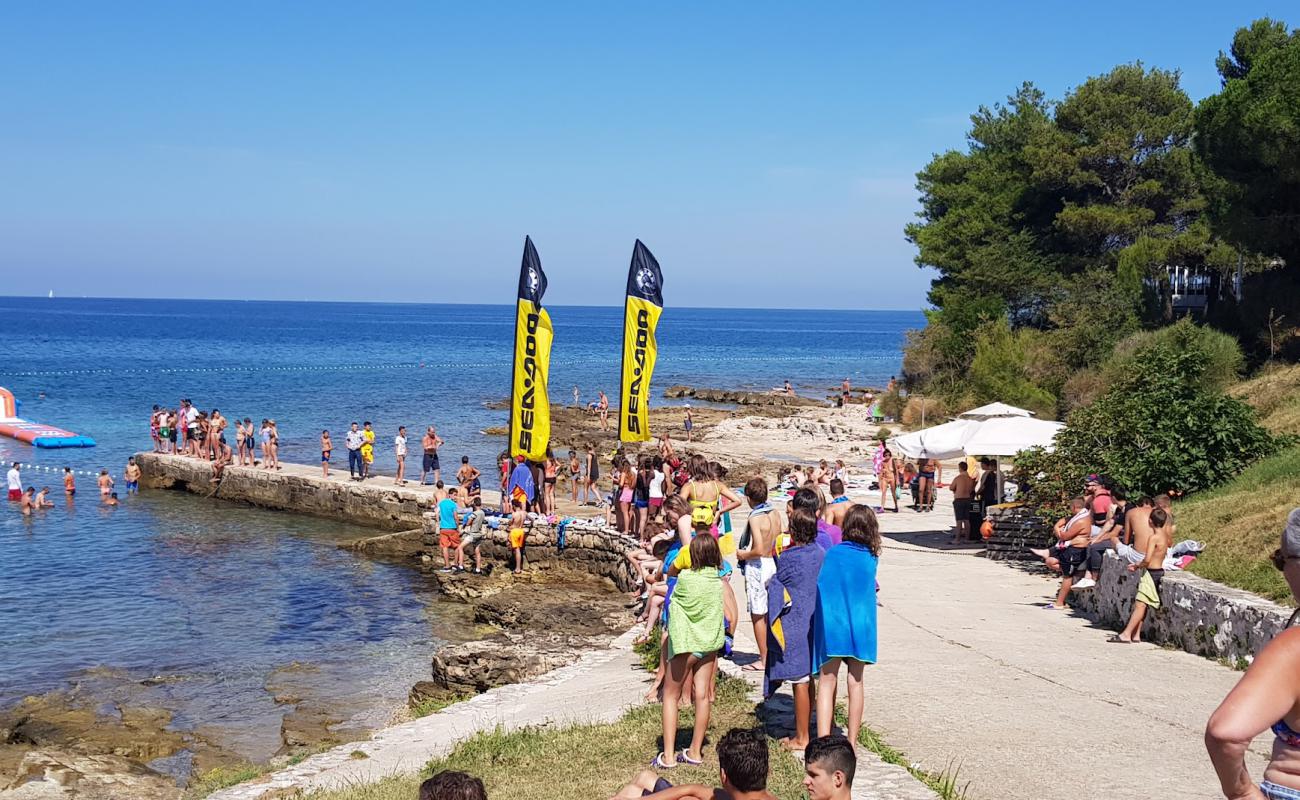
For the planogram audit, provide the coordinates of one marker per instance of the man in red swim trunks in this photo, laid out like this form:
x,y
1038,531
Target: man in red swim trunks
x,y
15,480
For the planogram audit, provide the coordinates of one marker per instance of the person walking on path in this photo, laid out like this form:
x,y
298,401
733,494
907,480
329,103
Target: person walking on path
x,y
844,630
353,442
399,449
430,444
1267,696
688,422
326,448
888,479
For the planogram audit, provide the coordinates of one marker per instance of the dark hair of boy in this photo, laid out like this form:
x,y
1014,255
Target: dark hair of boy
x,y
803,526
517,503
756,491
451,491
478,501
705,552
742,755
1159,517
837,487
449,785
464,459
832,753
861,526
805,500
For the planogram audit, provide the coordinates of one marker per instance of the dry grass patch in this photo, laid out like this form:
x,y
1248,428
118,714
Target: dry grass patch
x,y
1275,395
543,763
1241,524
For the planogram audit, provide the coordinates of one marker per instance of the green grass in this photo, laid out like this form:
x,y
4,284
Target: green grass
x,y
1241,524
942,783
585,760
433,705
219,778
649,651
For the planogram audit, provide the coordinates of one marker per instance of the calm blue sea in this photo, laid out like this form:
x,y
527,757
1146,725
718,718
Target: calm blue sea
x,y
222,595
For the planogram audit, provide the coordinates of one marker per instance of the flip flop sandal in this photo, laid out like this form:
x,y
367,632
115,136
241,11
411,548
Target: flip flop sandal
x,y
1116,640
659,763
683,758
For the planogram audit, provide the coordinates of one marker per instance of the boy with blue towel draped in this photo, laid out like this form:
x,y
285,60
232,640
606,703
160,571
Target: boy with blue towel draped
x,y
844,628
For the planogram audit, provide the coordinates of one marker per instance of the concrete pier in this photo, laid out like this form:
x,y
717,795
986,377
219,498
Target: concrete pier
x,y
374,503
407,512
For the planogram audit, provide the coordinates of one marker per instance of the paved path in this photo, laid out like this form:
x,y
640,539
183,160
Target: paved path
x,y
1026,702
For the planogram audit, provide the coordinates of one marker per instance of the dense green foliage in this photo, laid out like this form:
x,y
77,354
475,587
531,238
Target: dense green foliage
x,y
1052,232
1163,425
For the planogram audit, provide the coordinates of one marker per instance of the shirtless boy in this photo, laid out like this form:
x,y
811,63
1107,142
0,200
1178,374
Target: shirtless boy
x,y
839,504
756,558
28,501
43,498
468,476
1153,572
131,475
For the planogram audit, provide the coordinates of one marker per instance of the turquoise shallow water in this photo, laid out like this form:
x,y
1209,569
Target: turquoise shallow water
x,y
219,596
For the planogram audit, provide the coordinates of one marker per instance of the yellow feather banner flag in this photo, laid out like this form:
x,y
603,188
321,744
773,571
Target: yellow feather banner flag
x,y
530,405
645,302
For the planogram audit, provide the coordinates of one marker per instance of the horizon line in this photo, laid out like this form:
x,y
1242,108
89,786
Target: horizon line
x,y
917,309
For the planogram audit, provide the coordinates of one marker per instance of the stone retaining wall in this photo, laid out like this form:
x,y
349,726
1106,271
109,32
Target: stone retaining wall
x,y
1196,615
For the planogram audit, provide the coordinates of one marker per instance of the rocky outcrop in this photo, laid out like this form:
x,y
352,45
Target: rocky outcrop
x,y
546,619
595,551
56,775
403,544
512,657
742,398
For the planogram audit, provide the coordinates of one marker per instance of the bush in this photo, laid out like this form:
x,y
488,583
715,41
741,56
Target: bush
x,y
892,405
936,411
1162,427
1221,355
999,370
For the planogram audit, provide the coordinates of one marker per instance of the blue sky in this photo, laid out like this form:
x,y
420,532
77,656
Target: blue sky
x,y
764,151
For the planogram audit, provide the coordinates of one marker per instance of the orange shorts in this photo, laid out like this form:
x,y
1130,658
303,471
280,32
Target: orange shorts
x,y
449,537
516,537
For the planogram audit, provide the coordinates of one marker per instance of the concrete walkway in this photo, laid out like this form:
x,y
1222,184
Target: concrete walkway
x,y
1027,702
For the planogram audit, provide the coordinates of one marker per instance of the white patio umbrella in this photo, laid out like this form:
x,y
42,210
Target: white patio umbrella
x,y
992,410
1006,436
996,429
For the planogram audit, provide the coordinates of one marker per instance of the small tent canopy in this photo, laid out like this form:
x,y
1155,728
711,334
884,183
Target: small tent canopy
x,y
996,429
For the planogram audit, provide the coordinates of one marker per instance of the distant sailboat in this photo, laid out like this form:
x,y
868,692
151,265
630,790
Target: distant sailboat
x,y
51,294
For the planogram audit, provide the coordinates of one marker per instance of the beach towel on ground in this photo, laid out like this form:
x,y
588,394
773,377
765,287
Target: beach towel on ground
x,y
845,625
792,598
695,622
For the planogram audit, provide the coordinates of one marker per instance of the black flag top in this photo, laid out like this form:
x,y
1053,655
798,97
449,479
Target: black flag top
x,y
644,280
532,281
